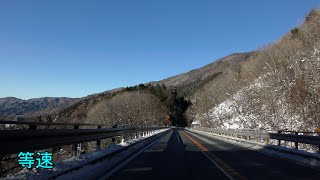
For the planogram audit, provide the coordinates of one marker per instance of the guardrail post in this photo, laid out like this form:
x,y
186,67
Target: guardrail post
x,y
122,138
99,141
296,145
75,146
130,136
113,139
279,141
319,145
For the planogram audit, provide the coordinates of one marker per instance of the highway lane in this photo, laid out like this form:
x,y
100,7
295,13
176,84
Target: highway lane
x,y
182,154
252,164
172,157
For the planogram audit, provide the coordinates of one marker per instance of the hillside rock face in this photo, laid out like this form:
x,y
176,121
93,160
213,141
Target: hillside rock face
x,y
12,105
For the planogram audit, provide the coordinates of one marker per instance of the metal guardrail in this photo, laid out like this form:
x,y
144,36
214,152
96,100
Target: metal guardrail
x,y
35,125
14,141
282,131
296,137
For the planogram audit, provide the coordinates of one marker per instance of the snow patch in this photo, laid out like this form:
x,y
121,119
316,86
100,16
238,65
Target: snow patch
x,y
72,162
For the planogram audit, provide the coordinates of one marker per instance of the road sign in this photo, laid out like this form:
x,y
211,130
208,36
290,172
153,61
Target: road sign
x,y
168,118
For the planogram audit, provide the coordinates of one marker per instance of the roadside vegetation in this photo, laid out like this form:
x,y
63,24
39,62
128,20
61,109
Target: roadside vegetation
x,y
276,88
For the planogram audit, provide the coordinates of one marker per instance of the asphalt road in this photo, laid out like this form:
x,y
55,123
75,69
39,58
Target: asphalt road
x,y
185,155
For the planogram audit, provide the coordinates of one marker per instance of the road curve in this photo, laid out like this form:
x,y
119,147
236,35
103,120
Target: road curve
x,y
183,154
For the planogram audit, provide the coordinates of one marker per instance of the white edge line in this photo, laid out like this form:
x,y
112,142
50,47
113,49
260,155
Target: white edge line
x,y
216,164
114,170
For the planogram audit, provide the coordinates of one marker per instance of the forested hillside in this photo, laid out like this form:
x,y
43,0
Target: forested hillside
x,y
138,105
277,88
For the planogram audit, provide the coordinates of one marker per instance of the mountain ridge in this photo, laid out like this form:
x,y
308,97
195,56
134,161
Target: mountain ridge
x,y
207,70
15,106
38,106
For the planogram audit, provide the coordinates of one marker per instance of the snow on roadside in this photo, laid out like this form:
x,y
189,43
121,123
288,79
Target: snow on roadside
x,y
247,109
267,102
77,160
229,113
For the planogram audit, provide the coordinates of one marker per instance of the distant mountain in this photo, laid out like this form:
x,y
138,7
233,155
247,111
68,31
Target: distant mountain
x,y
189,82
186,83
257,89
225,64
88,109
12,105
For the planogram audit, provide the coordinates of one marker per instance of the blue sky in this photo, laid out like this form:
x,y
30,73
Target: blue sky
x,y
75,48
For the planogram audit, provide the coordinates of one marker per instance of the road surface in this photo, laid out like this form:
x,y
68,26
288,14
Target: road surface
x,y
182,154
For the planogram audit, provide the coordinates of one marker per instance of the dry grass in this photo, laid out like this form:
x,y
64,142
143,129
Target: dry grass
x,y
290,70
135,107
